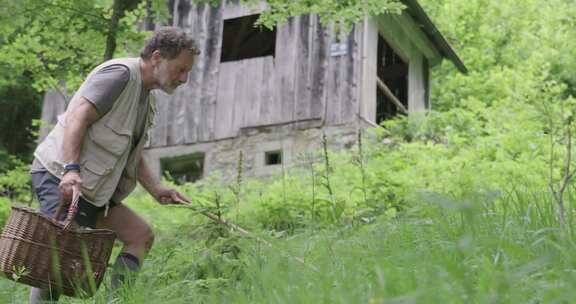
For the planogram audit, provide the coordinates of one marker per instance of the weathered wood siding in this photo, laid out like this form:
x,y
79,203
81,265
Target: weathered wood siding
x,y
188,116
302,81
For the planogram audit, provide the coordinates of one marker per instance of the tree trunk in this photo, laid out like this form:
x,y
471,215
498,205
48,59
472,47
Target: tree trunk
x,y
119,8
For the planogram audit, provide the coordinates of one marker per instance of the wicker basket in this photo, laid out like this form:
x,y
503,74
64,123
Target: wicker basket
x,y
41,252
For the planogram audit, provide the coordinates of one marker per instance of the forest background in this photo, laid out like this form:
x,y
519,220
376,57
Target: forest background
x,y
472,201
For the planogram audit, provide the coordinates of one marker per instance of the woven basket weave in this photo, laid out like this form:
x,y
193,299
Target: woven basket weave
x,y
40,252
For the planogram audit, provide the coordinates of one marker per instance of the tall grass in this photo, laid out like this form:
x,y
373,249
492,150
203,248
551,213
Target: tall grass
x,y
433,223
509,250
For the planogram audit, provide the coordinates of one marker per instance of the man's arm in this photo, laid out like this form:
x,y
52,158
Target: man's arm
x,y
77,121
146,178
161,193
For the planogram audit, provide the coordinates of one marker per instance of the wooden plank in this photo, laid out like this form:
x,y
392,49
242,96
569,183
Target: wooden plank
x,y
417,37
254,75
238,103
332,109
349,108
225,100
198,30
268,94
369,72
285,68
209,87
416,87
181,14
319,68
302,74
389,29
192,92
382,86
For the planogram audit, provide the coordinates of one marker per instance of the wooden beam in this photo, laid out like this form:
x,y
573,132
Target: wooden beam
x,y
382,86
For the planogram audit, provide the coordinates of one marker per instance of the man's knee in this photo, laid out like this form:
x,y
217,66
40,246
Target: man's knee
x,y
149,239
144,237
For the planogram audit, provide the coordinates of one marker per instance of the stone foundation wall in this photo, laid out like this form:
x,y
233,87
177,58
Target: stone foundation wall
x,y
293,140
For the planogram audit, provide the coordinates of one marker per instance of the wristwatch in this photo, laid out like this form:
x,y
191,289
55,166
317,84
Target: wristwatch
x,y
71,167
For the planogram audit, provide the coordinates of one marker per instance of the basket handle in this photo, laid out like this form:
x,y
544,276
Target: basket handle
x,y
71,211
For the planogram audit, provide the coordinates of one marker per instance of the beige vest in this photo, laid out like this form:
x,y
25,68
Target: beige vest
x,y
109,165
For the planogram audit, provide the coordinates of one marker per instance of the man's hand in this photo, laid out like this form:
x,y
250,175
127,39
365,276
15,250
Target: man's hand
x,y
165,196
70,180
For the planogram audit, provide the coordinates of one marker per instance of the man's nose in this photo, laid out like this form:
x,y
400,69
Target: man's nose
x,y
183,77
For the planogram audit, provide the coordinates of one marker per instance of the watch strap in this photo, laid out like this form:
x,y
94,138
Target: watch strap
x,y
71,167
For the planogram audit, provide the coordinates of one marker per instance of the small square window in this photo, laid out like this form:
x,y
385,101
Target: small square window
x,y
242,40
185,168
272,158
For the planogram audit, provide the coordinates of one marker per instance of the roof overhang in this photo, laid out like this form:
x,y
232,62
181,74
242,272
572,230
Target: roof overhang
x,y
431,31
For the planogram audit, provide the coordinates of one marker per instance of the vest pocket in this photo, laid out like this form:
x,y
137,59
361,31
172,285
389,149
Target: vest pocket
x,y
109,140
92,175
102,150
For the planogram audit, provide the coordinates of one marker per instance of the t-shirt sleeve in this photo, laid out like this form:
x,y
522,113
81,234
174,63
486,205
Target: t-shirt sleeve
x,y
104,87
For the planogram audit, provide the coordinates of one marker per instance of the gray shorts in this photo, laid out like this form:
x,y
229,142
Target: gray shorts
x,y
45,187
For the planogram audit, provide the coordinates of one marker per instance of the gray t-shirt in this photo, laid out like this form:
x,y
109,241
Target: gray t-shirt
x,y
102,89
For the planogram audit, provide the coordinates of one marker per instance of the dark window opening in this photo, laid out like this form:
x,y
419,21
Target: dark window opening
x,y
393,71
242,40
273,158
183,169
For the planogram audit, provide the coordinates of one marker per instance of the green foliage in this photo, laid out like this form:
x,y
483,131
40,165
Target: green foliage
x,y
38,40
452,251
15,183
19,105
46,43
511,49
4,210
59,40
344,14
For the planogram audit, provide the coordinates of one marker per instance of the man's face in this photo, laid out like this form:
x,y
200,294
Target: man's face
x,y
170,73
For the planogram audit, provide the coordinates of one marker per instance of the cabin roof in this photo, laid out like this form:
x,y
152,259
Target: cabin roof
x,y
421,18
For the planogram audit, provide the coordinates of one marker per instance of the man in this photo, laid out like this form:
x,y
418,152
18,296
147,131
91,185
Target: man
x,y
96,146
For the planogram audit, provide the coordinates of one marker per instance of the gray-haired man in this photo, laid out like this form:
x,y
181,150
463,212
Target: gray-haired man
x,y
96,146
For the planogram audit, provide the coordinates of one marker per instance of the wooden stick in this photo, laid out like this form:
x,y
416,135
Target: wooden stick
x,y
382,86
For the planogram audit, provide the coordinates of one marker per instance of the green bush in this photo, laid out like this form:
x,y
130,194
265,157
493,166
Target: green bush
x,y
4,210
15,183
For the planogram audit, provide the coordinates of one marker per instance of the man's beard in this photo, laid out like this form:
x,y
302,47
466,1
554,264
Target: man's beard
x,y
163,77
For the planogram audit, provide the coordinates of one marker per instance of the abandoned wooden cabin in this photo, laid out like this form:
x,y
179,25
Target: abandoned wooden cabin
x,y
272,93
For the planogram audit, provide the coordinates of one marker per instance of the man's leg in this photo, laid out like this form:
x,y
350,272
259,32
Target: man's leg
x,y
134,233
38,295
45,186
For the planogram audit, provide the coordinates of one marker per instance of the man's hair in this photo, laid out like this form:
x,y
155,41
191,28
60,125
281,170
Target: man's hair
x,y
170,41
